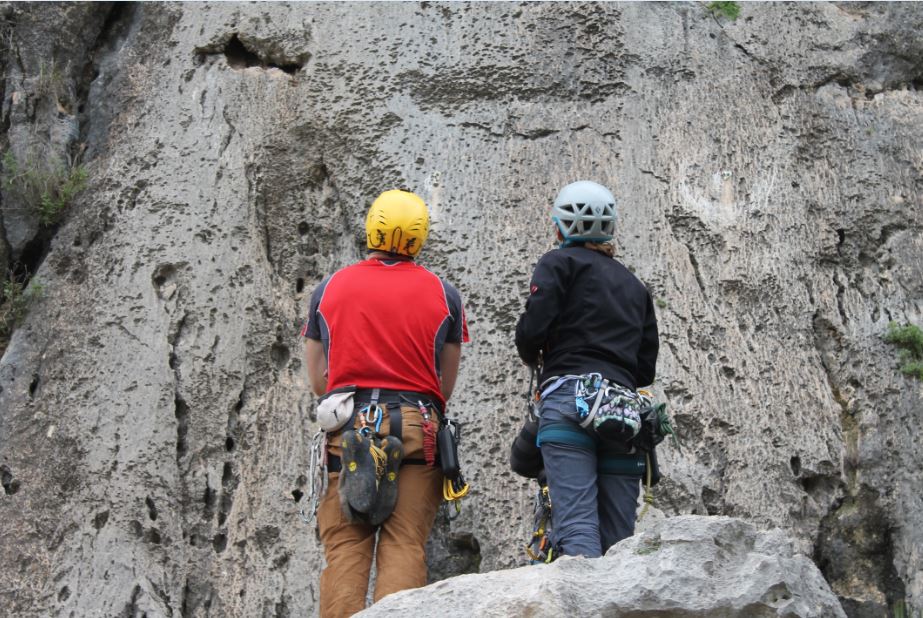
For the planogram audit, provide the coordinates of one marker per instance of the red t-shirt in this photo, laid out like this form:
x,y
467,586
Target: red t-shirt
x,y
383,325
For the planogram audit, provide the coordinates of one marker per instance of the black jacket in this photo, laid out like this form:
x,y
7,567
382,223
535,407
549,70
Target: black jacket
x,y
587,313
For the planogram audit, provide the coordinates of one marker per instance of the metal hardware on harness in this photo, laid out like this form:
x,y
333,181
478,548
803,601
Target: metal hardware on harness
x,y
317,476
539,548
601,385
447,512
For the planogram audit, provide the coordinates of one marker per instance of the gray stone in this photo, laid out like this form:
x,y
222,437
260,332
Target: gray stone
x,y
154,409
683,566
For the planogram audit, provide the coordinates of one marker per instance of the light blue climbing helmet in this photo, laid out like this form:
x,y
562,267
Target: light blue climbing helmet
x,y
584,211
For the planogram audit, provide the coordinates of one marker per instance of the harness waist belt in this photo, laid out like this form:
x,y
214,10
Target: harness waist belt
x,y
382,395
334,464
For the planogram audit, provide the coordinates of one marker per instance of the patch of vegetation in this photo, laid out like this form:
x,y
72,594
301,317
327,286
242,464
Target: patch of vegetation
x,y
909,338
47,186
649,547
731,10
661,303
15,302
50,80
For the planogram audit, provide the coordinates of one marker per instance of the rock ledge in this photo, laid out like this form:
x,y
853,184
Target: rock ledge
x,y
683,566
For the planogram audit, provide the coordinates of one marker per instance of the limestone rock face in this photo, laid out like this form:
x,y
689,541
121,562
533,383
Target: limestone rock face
x,y
684,566
154,408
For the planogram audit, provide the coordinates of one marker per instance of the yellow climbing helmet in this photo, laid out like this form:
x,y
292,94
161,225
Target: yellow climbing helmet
x,y
398,222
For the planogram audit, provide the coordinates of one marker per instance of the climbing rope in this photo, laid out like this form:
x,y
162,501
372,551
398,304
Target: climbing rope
x,y
429,436
380,458
648,493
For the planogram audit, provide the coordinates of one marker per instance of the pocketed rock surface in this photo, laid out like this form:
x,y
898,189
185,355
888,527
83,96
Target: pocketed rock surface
x,y
154,409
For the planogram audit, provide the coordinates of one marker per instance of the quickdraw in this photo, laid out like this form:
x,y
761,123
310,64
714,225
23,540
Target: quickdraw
x,y
317,476
455,490
539,549
454,486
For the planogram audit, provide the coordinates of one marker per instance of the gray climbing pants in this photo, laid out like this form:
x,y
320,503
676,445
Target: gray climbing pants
x,y
593,486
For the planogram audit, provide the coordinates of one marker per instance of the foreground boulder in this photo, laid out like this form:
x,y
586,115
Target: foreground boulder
x,y
682,566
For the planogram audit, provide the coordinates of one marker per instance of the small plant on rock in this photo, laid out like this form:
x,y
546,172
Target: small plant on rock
x,y
731,10
15,301
50,81
910,339
45,185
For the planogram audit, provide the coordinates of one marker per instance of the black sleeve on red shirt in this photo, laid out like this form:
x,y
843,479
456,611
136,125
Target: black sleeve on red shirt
x,y
650,346
312,326
547,292
458,325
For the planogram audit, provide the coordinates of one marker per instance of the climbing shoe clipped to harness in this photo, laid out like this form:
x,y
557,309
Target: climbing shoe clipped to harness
x,y
359,474
386,497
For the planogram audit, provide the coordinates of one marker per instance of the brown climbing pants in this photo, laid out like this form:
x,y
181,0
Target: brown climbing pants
x,y
349,548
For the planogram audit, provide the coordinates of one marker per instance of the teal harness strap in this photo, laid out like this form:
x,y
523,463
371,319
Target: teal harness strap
x,y
608,462
565,433
622,465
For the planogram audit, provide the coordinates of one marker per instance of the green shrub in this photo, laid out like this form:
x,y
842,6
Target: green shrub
x,y
909,338
731,10
15,303
45,185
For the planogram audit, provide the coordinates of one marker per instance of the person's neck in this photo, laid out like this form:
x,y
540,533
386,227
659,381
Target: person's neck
x,y
389,257
606,248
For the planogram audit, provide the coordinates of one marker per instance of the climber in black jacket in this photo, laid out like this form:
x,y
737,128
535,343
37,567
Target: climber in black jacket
x,y
590,323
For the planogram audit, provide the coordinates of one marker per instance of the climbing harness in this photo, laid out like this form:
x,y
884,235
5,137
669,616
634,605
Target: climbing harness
x,y
626,420
438,446
539,549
